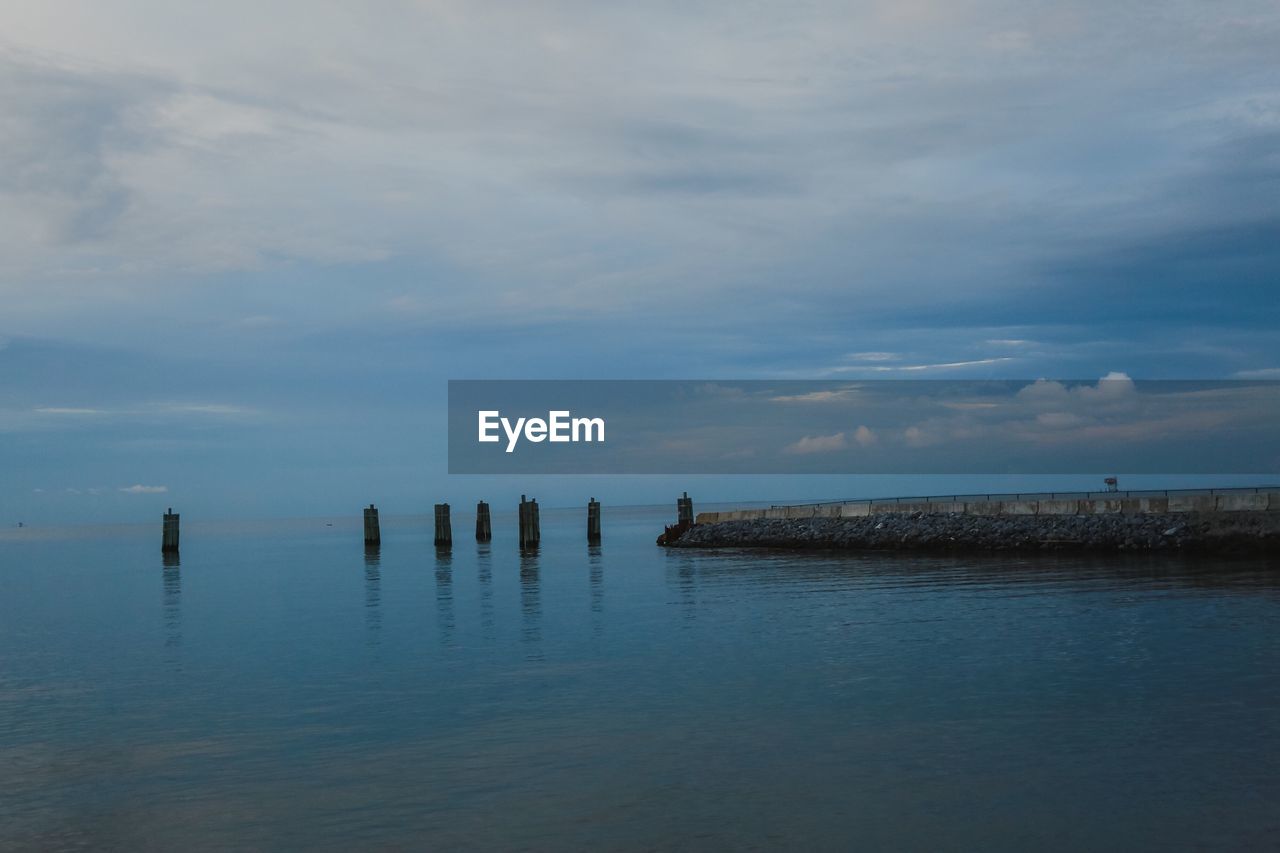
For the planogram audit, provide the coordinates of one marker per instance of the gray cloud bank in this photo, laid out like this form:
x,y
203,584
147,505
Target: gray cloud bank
x,y
913,154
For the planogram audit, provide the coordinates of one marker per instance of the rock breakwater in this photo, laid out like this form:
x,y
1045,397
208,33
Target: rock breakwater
x,y
1235,532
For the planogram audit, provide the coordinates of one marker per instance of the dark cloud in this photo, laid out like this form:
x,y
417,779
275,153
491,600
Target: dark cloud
x,y
60,129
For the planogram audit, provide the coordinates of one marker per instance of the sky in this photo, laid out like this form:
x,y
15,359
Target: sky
x,y
244,247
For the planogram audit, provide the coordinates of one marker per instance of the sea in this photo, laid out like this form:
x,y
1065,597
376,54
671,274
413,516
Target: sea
x,y
279,687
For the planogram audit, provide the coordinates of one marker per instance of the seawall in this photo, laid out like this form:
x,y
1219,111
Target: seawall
x,y
1016,505
1220,523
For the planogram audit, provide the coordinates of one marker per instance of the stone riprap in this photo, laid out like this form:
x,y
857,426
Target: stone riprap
x,y
1218,532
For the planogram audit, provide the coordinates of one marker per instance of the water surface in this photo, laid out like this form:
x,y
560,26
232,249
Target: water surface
x,y
279,687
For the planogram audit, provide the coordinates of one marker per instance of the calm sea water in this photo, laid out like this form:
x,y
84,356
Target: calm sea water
x,y
285,690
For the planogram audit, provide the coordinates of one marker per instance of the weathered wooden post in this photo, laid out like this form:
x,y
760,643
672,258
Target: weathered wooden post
x,y
169,541
593,521
522,520
444,530
684,510
529,532
484,531
372,534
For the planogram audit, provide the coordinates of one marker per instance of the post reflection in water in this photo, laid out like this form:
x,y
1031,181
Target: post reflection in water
x,y
595,569
686,582
171,601
372,592
531,602
484,563
444,595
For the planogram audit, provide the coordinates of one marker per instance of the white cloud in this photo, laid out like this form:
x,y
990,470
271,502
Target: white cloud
x,y
914,436
835,395
864,436
67,410
946,365
140,489
817,444
917,368
1115,389
1261,373
151,409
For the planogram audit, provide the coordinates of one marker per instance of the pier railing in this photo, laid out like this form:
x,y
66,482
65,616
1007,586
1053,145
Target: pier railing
x,y
1034,496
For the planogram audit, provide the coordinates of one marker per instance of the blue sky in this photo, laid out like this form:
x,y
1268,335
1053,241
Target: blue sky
x,y
243,250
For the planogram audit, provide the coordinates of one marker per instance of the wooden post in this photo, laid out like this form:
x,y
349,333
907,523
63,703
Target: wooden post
x,y
593,521
484,531
522,517
372,534
169,541
529,523
684,510
444,530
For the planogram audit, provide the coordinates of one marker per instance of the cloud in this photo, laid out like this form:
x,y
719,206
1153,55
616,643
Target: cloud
x,y
912,187
817,444
151,410
217,409
920,436
837,395
950,365
636,158
61,130
140,489
1059,420
1260,373
864,436
706,181
918,368
1115,389
1114,409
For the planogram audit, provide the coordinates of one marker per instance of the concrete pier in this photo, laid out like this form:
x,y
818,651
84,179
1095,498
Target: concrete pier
x,y
593,521
372,533
530,532
484,530
1221,521
444,529
1040,504
169,538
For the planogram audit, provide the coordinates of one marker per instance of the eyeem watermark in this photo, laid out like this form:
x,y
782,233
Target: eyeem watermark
x,y
1106,426
559,426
